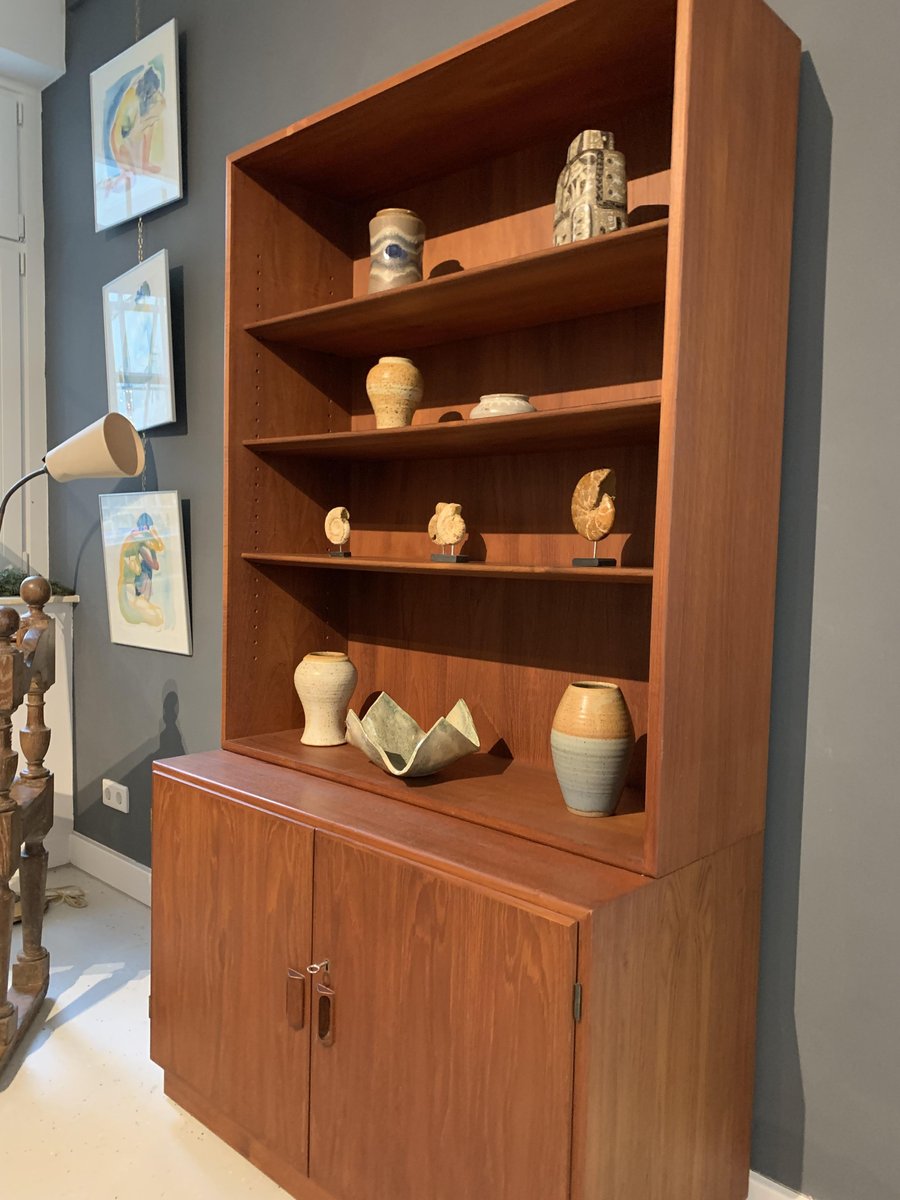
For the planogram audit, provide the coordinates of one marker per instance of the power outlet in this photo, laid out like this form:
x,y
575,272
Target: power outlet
x,y
115,795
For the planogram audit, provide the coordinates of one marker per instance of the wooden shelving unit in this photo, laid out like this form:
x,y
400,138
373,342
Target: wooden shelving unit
x,y
624,270
637,355
468,915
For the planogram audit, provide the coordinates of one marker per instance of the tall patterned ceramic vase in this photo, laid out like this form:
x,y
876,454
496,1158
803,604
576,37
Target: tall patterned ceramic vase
x,y
591,741
396,239
325,681
592,193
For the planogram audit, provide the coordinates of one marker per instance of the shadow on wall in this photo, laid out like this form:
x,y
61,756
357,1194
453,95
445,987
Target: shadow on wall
x,y
780,1109
95,819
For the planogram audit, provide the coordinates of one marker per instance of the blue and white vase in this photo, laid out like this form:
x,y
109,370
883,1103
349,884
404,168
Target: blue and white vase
x,y
396,239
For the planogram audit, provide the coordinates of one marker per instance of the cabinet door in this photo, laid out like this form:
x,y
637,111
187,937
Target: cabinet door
x,y
449,1069
232,891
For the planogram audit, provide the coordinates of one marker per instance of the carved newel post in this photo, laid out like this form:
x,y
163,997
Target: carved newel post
x,y
35,640
10,818
27,669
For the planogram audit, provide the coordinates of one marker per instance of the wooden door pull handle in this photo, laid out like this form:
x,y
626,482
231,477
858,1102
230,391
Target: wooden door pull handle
x,y
295,998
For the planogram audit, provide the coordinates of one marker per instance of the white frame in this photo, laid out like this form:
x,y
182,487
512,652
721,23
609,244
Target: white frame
x,y
120,299
140,191
120,514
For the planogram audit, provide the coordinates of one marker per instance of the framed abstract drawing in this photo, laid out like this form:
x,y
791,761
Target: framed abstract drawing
x,y
146,570
137,326
136,129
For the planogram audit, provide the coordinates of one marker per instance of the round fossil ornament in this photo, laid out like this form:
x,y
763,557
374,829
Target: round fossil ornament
x,y
594,512
337,530
447,528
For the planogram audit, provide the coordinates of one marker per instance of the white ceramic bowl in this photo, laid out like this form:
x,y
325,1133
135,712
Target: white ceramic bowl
x,y
501,404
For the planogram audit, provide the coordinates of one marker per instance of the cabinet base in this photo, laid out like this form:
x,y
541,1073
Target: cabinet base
x,y
294,1182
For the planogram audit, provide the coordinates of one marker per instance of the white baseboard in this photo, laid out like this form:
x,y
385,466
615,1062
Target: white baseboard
x,y
767,1189
122,873
57,841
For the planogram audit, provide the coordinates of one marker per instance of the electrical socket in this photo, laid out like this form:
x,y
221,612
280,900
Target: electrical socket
x,y
115,795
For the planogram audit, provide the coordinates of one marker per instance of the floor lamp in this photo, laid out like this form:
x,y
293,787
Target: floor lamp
x,y
110,448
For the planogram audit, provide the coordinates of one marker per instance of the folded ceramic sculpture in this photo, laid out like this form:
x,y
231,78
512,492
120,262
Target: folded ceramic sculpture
x,y
393,741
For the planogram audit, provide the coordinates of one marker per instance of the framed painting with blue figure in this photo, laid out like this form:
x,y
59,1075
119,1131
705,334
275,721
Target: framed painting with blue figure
x,y
146,570
136,129
137,325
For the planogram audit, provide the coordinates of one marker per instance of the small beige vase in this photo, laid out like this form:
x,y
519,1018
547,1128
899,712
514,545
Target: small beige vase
x,y
395,388
591,741
325,681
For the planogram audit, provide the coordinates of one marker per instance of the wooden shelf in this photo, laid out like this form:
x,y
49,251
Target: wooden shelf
x,y
616,422
609,273
478,570
483,788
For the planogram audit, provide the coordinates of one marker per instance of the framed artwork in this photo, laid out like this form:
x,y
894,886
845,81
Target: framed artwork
x,y
138,330
136,129
146,573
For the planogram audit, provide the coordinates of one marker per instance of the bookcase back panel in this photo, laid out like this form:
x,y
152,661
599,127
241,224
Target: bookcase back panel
x,y
563,365
503,207
517,507
508,649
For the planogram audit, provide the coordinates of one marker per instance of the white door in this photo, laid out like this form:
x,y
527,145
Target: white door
x,y
10,201
12,536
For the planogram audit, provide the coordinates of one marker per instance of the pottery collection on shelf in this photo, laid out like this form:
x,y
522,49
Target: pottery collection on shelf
x,y
395,388
591,741
396,241
392,740
325,681
592,193
501,404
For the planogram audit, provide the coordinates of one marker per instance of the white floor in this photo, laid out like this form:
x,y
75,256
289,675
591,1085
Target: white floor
x,y
82,1111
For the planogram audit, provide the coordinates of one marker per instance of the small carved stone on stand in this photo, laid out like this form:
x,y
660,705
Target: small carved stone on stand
x,y
448,529
594,512
592,192
337,530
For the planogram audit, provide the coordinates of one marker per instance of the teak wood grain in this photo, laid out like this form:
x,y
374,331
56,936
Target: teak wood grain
x,y
665,1050
529,433
533,874
232,912
620,271
720,431
445,1032
485,790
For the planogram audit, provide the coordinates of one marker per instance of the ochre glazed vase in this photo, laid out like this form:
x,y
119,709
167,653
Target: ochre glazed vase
x,y
592,740
325,681
395,388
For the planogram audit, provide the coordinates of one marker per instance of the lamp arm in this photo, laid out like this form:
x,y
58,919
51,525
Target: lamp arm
x,y
15,487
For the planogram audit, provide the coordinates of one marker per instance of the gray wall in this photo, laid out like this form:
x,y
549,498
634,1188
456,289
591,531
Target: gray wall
x,y
828,1097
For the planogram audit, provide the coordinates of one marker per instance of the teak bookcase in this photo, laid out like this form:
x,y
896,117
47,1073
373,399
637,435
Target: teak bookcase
x,y
658,351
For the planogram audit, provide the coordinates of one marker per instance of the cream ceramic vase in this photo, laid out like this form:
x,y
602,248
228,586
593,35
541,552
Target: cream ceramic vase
x,y
395,388
325,681
396,241
592,740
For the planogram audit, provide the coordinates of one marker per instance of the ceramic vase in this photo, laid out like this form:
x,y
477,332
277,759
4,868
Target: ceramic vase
x,y
325,681
592,740
395,388
592,193
396,238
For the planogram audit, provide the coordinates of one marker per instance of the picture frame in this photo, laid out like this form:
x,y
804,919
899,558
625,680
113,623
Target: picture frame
x,y
145,568
136,129
137,327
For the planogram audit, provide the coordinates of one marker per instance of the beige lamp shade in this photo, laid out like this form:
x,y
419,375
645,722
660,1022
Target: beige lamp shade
x,y
110,448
